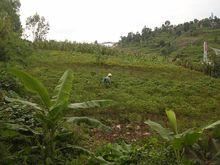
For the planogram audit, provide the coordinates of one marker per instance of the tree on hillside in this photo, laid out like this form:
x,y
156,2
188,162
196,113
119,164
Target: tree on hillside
x,y
167,23
10,29
38,26
186,26
195,20
167,31
130,37
145,33
9,9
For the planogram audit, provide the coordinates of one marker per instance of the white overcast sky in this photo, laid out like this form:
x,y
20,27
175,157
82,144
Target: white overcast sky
x,y
107,20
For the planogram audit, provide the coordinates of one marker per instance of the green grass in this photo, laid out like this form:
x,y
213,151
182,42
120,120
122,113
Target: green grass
x,y
142,88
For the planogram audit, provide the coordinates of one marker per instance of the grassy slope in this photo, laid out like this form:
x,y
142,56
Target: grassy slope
x,y
192,46
141,88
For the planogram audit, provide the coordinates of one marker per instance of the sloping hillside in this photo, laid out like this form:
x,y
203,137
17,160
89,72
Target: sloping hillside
x,y
181,44
142,88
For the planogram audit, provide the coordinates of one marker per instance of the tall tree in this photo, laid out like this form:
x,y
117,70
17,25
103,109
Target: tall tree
x,y
145,33
38,26
9,9
167,23
10,29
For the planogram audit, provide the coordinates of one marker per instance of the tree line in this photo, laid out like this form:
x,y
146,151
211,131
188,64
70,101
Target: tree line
x,y
147,35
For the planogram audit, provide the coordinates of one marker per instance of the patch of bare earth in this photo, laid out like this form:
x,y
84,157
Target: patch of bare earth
x,y
128,132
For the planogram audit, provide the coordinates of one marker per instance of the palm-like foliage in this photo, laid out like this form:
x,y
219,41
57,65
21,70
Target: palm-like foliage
x,y
179,140
51,112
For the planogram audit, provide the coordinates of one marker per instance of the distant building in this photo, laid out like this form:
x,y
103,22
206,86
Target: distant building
x,y
109,44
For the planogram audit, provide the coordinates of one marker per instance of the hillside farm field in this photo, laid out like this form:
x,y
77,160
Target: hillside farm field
x,y
77,89
141,88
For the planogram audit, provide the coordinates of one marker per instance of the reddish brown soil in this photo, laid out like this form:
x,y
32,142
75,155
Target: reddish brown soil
x,y
128,132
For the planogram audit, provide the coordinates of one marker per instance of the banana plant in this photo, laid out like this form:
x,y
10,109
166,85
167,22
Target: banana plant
x,y
51,112
179,140
205,151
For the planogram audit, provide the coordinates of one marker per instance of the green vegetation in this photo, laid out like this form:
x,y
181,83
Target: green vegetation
x,y
46,125
50,116
11,45
206,150
38,27
122,153
177,140
141,86
182,44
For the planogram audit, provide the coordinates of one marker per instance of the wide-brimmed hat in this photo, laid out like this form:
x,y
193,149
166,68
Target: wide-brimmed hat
x,y
109,75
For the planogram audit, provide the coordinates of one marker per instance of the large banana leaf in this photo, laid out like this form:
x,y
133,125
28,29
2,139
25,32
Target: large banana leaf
x,y
58,111
76,148
63,89
44,120
164,133
177,142
90,104
63,136
172,119
22,129
190,137
212,126
187,138
34,105
32,85
88,121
